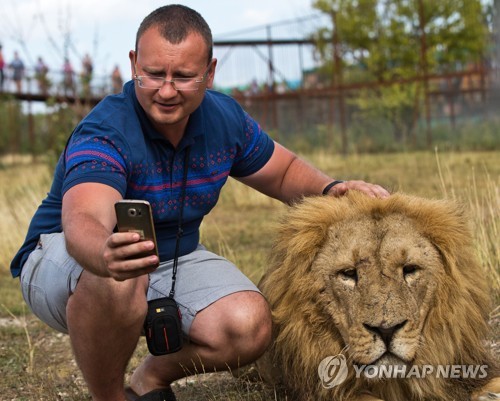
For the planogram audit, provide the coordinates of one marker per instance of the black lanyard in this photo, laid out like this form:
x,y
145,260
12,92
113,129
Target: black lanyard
x,y
180,232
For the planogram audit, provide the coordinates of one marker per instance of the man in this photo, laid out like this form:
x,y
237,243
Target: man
x,y
82,278
17,67
41,71
2,66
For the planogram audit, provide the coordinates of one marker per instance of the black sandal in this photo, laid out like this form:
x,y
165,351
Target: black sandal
x,y
163,394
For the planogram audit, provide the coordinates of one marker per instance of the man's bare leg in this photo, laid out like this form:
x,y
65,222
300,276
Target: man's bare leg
x,y
230,333
105,319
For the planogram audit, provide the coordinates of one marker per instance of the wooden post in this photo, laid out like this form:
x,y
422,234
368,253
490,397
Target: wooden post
x,y
425,71
338,82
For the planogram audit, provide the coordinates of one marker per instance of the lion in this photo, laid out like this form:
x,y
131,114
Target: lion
x,y
378,299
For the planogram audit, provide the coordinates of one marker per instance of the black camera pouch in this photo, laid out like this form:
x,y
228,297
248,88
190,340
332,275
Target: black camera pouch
x,y
162,327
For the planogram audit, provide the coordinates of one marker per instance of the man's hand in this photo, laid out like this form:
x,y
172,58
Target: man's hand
x,y
123,256
373,190
89,218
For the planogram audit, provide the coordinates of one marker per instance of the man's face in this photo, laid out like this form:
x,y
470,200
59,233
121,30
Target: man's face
x,y
167,108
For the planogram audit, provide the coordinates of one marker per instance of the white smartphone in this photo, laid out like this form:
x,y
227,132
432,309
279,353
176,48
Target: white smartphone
x,y
136,216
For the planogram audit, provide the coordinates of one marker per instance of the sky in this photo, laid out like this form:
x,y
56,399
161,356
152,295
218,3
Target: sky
x,y
106,28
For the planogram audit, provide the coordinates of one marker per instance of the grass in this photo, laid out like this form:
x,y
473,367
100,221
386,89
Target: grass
x,y
36,362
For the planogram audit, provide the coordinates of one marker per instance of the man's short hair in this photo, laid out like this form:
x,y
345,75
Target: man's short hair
x,y
175,22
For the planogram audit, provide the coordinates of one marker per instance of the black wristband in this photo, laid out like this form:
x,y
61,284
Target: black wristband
x,y
331,185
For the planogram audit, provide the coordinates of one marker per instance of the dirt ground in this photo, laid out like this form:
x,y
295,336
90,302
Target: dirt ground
x,y
36,363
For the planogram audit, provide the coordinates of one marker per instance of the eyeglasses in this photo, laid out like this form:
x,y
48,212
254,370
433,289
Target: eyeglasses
x,y
179,84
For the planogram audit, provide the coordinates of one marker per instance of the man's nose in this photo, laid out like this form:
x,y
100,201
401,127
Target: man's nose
x,y
167,89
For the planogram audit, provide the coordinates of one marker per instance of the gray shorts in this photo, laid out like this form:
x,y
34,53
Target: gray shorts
x,y
50,276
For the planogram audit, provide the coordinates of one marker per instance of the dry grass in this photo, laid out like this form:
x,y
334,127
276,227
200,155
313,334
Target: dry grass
x,y
36,363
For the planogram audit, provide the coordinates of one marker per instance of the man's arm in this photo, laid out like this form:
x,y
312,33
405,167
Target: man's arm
x,y
88,219
287,177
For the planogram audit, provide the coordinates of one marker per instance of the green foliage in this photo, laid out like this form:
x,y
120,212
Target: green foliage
x,y
470,135
12,125
354,22
385,38
455,30
320,136
44,133
394,104
374,131
60,125
383,41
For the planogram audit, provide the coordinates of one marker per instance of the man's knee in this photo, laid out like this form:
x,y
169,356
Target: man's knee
x,y
253,324
239,323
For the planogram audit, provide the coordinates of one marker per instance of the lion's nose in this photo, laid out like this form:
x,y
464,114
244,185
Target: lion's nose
x,y
385,333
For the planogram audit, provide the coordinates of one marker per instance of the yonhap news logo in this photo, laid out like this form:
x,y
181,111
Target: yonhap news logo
x,y
333,371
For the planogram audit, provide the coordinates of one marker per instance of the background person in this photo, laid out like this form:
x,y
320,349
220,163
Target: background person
x,y
86,74
116,79
166,139
17,67
41,75
2,67
68,78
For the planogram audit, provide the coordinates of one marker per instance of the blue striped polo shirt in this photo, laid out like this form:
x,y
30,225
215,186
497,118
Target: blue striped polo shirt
x,y
116,145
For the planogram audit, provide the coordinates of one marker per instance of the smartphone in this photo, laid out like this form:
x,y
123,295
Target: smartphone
x,y
136,216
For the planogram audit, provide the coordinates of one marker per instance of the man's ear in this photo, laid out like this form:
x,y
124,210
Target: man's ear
x,y
133,59
211,74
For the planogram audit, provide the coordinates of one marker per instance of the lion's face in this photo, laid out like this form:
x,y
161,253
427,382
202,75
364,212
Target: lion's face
x,y
379,279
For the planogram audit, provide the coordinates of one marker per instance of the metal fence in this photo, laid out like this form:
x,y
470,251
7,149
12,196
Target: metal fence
x,y
325,116
449,100
57,84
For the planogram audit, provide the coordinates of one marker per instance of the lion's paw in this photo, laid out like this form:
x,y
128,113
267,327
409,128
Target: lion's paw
x,y
486,397
366,397
491,391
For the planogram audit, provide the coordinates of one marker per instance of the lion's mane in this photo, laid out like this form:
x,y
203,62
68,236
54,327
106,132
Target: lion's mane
x,y
304,334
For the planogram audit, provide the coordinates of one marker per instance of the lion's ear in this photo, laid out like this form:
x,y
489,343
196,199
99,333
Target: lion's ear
x,y
447,225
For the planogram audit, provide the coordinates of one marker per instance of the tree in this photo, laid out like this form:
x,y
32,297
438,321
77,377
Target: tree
x,y
386,40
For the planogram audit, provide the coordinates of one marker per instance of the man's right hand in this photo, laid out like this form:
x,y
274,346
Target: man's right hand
x,y
122,256
89,219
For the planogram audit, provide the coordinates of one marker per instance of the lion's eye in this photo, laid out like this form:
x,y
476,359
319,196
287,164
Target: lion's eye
x,y
410,269
350,274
